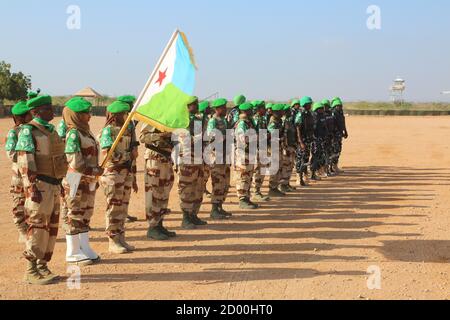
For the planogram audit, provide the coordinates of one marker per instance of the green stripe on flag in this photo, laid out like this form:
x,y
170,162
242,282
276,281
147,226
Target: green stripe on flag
x,y
167,108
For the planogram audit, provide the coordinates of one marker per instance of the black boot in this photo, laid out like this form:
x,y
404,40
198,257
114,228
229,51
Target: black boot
x,y
314,176
228,214
188,224
247,205
168,233
216,214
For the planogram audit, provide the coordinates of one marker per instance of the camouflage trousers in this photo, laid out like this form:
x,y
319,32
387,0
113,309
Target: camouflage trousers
x,y
221,179
18,201
303,158
318,154
244,177
287,165
78,211
115,185
259,175
43,223
189,189
275,179
337,148
206,174
159,181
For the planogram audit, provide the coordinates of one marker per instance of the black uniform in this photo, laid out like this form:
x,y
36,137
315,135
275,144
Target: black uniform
x,y
320,135
304,120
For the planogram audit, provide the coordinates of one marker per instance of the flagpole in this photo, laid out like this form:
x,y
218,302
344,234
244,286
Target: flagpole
x,y
138,101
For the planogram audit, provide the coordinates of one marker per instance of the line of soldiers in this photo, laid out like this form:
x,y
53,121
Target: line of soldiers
x,y
309,136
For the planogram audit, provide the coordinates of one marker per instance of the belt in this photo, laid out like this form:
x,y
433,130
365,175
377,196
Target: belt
x,y
49,180
161,152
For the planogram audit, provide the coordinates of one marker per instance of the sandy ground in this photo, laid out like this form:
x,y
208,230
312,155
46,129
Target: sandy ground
x,y
390,210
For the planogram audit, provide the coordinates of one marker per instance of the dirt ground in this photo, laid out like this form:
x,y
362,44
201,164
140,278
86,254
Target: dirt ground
x,y
390,210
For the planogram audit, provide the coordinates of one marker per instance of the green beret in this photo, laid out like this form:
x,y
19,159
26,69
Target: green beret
x,y
118,107
336,102
326,103
202,106
294,102
79,105
32,95
238,100
287,107
269,106
192,100
278,107
258,104
20,108
219,103
246,107
127,99
317,106
305,100
39,102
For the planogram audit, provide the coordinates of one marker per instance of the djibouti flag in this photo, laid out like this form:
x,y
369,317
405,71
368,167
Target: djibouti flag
x,y
163,102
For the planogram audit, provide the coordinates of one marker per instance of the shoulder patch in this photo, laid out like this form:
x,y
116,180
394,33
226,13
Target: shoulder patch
x,y
106,140
25,140
73,144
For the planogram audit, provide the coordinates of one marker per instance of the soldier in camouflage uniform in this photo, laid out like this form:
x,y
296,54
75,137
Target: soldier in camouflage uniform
x,y
21,115
276,125
304,122
130,100
206,113
340,132
260,123
42,164
190,170
320,133
117,179
217,132
290,147
159,180
244,169
329,140
233,115
82,152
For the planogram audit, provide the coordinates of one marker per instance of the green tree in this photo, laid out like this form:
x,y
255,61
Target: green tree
x,y
13,86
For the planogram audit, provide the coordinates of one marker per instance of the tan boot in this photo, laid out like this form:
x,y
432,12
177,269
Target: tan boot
x,y
116,247
45,272
125,244
33,277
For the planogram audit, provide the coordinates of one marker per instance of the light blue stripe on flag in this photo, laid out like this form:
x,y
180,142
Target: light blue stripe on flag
x,y
184,71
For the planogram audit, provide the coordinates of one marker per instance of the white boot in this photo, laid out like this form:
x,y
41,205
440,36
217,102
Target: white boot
x,y
74,255
86,247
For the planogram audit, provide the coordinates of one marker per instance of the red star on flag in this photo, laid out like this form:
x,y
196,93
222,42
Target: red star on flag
x,y
162,76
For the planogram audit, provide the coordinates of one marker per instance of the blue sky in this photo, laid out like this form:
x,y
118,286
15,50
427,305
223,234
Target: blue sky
x,y
264,49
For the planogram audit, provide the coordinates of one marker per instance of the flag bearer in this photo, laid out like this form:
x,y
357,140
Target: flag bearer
x,y
217,133
159,180
82,153
21,115
42,164
118,177
130,100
